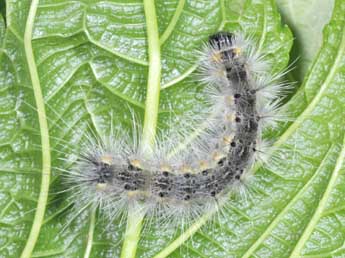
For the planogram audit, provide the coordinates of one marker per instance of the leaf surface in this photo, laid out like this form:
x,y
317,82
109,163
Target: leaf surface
x,y
92,61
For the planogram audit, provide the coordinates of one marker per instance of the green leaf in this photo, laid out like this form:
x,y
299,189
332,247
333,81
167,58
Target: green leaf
x,y
20,164
3,7
92,60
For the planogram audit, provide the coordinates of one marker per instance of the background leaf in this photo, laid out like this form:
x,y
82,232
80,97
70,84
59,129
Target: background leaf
x,y
20,159
92,62
307,20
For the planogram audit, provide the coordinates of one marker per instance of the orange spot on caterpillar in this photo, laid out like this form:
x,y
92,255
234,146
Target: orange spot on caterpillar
x,y
165,167
229,100
101,186
237,51
216,57
230,117
107,159
135,163
228,138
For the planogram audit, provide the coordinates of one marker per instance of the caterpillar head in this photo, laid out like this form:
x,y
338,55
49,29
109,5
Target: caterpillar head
x,y
224,47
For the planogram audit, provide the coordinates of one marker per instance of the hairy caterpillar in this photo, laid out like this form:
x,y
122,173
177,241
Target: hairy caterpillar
x,y
243,100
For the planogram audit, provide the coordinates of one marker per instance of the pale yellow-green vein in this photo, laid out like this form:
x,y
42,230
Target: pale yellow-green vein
x,y
135,219
44,132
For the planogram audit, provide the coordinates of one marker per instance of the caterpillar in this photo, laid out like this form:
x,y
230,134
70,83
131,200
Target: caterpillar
x,y
243,99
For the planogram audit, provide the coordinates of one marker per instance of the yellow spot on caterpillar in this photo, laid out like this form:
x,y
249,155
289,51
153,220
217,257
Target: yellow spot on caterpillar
x,y
204,165
227,139
137,195
217,156
101,186
237,51
186,169
135,163
132,193
230,117
216,57
220,73
229,100
107,159
165,168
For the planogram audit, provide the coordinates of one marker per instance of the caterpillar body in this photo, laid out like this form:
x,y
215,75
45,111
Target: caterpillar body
x,y
243,99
